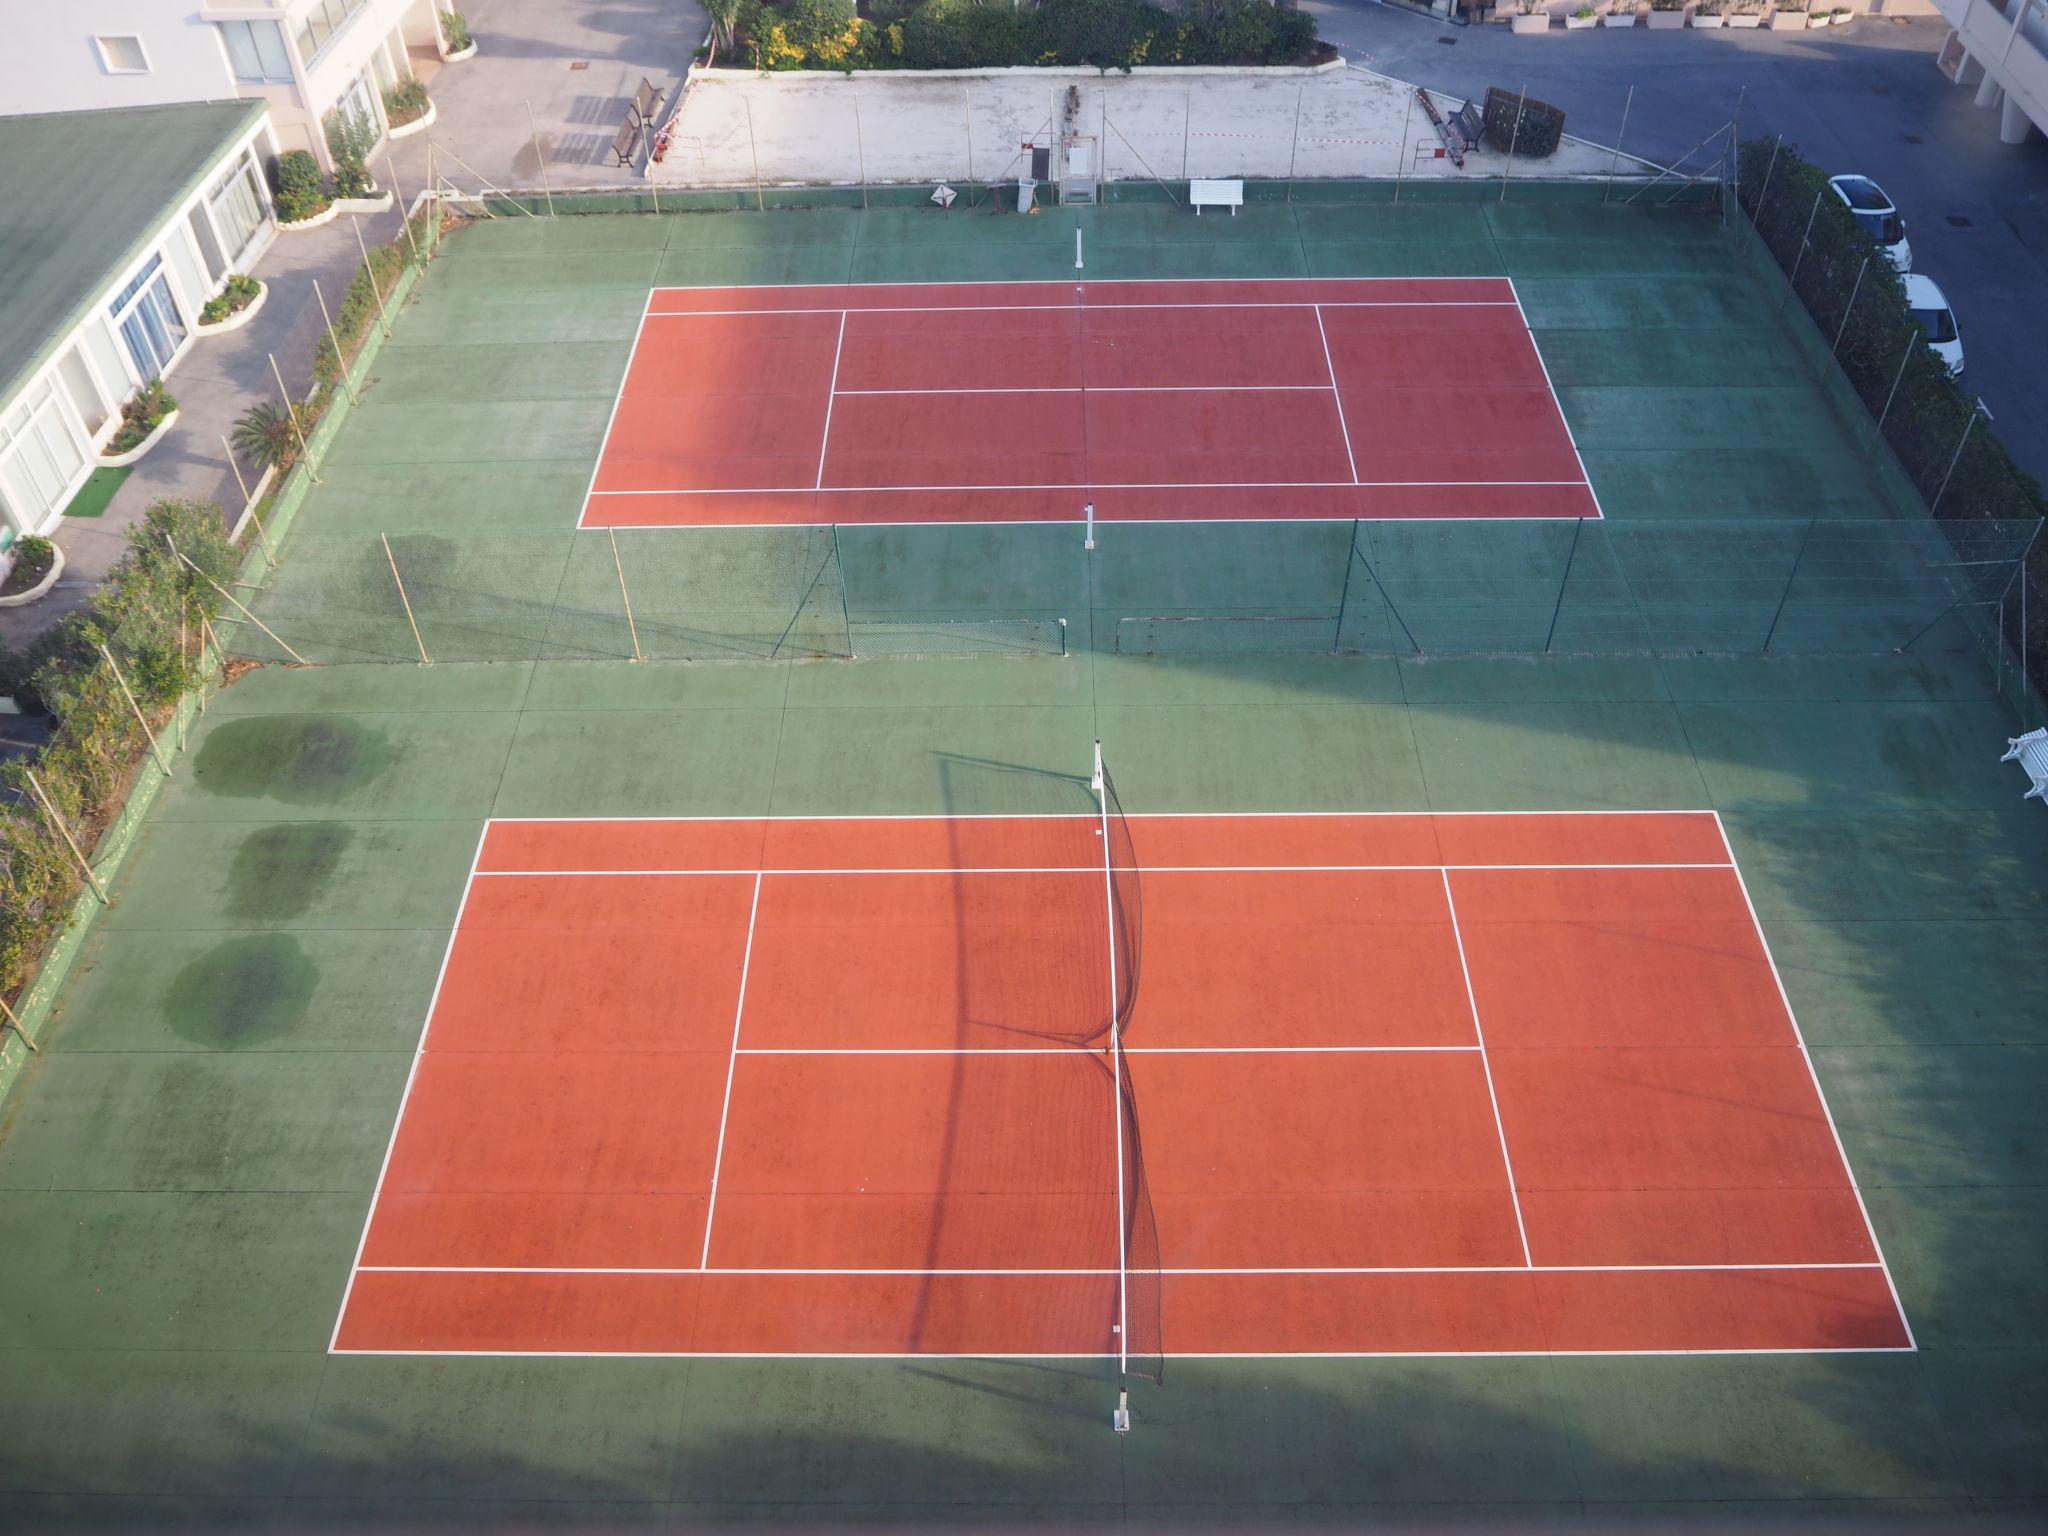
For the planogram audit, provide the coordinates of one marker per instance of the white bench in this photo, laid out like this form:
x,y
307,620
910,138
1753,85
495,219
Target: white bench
x,y
1216,194
2032,752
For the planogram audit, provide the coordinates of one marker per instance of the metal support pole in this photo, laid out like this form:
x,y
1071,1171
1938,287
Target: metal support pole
x,y
1077,250
13,1020
1187,123
239,608
155,747
1790,576
1854,289
1765,190
1344,593
291,409
1294,148
1792,277
340,357
57,821
539,160
398,201
754,154
625,597
1563,582
399,582
1401,164
967,113
1615,165
237,468
376,288
1955,458
1088,526
860,153
1913,335
1514,138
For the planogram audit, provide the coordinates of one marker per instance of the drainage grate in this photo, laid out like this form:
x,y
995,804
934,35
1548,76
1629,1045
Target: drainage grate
x,y
1960,221
580,64
1914,138
1448,42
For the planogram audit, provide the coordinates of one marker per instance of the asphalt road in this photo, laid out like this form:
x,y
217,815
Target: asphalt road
x,y
1866,97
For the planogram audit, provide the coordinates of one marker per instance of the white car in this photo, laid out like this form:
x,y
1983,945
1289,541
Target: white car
x,y
1930,307
1869,205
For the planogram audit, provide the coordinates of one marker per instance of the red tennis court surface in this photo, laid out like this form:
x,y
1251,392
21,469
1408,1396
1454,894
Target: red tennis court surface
x,y
1021,402
1403,1083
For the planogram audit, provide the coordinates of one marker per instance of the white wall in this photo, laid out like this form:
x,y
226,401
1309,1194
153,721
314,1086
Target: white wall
x,y
49,63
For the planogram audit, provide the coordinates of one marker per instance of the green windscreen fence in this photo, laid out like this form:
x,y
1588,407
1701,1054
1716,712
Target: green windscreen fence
x,y
1590,587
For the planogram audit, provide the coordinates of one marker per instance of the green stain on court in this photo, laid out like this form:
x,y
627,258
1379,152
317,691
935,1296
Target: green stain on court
x,y
242,992
279,872
302,760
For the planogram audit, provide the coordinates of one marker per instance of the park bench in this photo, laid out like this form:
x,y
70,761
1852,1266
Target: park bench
x,y
2031,751
638,124
1216,194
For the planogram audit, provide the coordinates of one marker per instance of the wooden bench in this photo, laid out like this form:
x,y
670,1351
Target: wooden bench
x,y
626,144
1468,124
1216,194
646,102
639,122
2031,751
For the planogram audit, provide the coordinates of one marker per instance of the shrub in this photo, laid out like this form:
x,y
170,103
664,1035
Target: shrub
x,y
405,102
297,185
33,558
1109,34
958,34
351,135
143,413
237,295
455,28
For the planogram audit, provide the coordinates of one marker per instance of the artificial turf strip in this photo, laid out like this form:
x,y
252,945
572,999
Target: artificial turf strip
x,y
98,490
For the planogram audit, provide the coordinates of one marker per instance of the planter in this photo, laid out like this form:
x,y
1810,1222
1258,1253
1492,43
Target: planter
x,y
237,320
1819,19
1747,20
375,203
326,215
21,599
1618,19
1540,22
1708,22
419,124
1788,21
1664,21
116,460
1842,18
457,58
1580,23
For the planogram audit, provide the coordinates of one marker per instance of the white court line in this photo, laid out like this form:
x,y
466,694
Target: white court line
x,y
1129,1050
1089,816
1819,1093
1109,389
1280,1354
732,1062
1471,998
1060,283
604,443
1089,869
1555,403
1064,522
1337,395
412,1073
1132,485
832,393
1312,1269
1014,309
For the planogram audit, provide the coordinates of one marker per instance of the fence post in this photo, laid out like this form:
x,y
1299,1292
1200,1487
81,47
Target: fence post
x,y
1792,277
1615,164
1912,345
14,1022
539,160
845,607
1571,554
376,288
398,201
1976,407
155,747
1855,289
1514,138
1765,190
1294,146
291,410
967,112
1187,116
754,154
860,153
624,596
340,358
399,582
1344,592
1401,164
70,842
240,608
1790,576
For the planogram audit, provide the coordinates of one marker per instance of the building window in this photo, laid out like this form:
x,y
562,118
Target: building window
x,y
146,314
241,213
256,52
321,24
122,54
41,453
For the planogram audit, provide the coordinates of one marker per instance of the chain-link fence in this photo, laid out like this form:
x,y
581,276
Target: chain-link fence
x,y
1591,587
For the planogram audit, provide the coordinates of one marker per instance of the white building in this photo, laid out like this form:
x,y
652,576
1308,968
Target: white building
x,y
303,58
106,273
2001,48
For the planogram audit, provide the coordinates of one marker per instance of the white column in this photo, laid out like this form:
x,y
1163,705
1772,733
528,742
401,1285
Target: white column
x,y
2013,124
1988,92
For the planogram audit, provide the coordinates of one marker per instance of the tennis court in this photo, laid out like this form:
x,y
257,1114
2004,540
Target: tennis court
x,y
898,1086
1245,400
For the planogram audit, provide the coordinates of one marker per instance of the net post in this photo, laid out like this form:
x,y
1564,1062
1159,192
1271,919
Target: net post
x,y
1120,1420
1077,250
1087,511
1063,634
624,596
399,582
1095,777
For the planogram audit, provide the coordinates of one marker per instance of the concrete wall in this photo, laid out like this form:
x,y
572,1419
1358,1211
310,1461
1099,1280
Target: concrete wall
x,y
49,63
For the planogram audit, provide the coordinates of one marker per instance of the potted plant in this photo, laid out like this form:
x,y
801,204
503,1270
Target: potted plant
x,y
1789,16
408,109
232,308
1621,13
302,201
29,568
1666,14
1585,16
1710,14
145,418
1530,16
1841,16
456,42
1746,14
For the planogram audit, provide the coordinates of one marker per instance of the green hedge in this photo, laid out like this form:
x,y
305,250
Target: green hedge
x,y
960,34
1851,290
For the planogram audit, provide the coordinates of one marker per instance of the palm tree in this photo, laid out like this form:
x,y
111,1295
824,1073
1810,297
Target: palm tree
x,y
268,433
